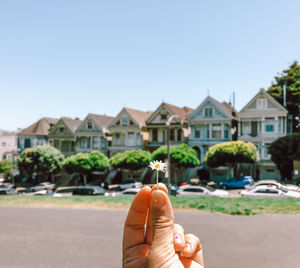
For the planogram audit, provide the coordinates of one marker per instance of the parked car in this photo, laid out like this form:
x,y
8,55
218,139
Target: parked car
x,y
42,186
278,185
41,192
129,191
6,185
7,191
193,190
91,190
269,191
130,184
236,183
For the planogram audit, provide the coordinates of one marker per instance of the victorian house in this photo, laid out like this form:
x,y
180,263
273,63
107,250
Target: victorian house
x,y
262,121
35,134
168,117
211,123
92,134
62,135
128,130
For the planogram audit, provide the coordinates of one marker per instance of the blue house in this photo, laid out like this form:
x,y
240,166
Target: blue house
x,y
211,123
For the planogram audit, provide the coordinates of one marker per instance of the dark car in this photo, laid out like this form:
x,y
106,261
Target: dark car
x,y
88,191
236,183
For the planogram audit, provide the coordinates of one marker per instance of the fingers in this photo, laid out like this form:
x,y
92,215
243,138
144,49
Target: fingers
x,y
136,218
149,231
192,249
162,246
179,241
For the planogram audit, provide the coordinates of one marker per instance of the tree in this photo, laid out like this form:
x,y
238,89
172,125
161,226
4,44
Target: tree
x,y
131,160
182,157
43,161
283,151
291,78
5,166
231,153
86,163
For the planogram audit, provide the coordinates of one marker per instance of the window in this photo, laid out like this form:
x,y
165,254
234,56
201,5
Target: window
x,y
216,131
124,121
3,144
96,142
172,134
193,190
163,116
269,124
267,145
208,112
117,139
130,139
27,143
179,132
61,130
103,143
226,131
89,124
261,104
197,133
154,134
246,128
65,146
56,144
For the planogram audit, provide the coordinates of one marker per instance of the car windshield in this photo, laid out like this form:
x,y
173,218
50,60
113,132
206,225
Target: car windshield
x,y
210,188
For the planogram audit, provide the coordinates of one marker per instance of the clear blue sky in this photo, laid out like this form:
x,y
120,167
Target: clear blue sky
x,y
69,58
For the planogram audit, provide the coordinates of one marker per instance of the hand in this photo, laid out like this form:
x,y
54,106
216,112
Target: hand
x,y
162,244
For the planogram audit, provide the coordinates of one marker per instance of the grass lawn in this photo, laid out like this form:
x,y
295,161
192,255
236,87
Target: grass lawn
x,y
232,206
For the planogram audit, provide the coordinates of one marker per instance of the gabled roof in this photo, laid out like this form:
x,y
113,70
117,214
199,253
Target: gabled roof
x,y
40,128
71,123
102,121
182,113
139,116
224,107
268,97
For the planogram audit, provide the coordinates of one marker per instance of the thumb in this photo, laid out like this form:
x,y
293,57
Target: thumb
x,y
162,247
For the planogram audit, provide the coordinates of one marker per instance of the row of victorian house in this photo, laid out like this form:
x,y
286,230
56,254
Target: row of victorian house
x,y
261,121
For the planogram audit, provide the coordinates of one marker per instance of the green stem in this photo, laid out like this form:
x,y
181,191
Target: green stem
x,y
157,179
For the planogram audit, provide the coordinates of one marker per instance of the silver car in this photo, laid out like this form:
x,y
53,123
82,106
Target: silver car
x,y
195,190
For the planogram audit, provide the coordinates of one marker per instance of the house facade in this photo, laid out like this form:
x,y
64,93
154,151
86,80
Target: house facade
x,y
211,123
62,135
261,122
36,134
8,144
92,134
128,131
164,117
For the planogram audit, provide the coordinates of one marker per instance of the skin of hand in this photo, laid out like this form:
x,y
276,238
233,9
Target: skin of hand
x,y
161,244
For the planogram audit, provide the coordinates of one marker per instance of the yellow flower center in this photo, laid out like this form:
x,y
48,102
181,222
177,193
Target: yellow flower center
x,y
157,165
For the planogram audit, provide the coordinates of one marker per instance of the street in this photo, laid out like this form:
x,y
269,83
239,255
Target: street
x,y
51,237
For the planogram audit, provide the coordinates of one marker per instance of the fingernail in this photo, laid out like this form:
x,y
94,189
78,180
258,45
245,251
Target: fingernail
x,y
177,239
187,247
158,199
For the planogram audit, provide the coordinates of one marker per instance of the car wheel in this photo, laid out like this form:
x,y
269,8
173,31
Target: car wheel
x,y
224,187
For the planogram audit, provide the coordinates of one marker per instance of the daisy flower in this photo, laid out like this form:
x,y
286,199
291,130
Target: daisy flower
x,y
159,166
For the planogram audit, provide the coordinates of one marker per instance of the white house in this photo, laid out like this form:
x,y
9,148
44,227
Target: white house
x,y
261,122
128,130
92,134
36,134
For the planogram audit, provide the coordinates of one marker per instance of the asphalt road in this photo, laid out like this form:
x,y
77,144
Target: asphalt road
x,y
50,237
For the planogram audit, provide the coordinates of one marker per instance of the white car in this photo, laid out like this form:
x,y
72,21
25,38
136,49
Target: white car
x,y
129,191
270,183
269,191
42,186
194,190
